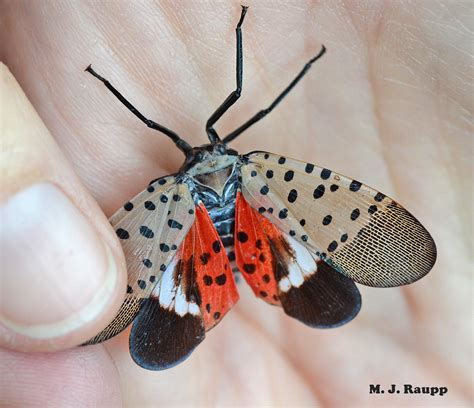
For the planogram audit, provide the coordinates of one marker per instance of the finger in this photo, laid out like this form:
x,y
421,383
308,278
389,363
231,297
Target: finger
x,y
82,377
63,275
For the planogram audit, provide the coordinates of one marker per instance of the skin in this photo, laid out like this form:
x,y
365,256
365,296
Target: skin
x,y
390,104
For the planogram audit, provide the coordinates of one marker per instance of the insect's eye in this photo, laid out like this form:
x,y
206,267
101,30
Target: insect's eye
x,y
220,149
199,156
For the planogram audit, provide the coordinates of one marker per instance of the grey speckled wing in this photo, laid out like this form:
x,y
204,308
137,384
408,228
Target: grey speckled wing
x,y
150,227
357,230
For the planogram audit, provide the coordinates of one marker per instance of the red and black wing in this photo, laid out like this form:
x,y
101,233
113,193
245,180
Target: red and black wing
x,y
283,272
195,291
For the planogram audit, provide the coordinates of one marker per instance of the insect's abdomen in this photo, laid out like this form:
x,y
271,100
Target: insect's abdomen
x,y
221,208
224,221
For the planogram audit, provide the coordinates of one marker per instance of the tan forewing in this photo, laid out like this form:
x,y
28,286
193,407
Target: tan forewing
x,y
359,231
150,228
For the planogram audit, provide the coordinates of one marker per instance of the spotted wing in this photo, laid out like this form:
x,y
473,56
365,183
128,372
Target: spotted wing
x,y
150,227
358,231
195,292
283,272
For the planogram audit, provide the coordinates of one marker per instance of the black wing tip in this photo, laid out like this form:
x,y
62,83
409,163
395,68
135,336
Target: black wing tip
x,y
158,365
357,305
161,339
325,300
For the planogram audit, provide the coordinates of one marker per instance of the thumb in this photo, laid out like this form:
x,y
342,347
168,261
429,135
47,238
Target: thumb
x,y
62,275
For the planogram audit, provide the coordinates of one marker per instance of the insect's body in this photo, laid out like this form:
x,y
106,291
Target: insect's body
x,y
214,179
301,237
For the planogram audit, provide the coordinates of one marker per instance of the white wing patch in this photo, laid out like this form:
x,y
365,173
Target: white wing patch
x,y
300,267
170,291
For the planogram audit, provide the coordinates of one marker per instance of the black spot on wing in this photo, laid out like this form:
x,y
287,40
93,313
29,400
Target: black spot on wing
x,y
332,246
327,219
326,299
309,168
372,209
355,214
122,234
174,224
319,191
379,197
160,338
283,213
289,175
205,258
149,205
355,185
242,236
325,174
250,268
146,232
216,246
221,279
164,248
292,195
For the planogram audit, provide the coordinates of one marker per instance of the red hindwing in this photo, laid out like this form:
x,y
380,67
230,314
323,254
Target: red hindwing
x,y
214,276
252,250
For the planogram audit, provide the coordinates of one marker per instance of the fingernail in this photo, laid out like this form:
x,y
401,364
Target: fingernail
x,y
57,274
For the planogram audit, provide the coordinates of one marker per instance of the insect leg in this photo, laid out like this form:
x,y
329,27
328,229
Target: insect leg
x,y
232,98
180,143
261,114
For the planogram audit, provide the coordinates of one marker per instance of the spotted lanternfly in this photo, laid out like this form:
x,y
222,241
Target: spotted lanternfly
x,y
300,235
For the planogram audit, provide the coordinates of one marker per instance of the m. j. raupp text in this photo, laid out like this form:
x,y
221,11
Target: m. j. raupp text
x,y
407,389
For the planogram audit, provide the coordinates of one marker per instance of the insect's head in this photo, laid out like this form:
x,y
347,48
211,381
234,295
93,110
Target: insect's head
x,y
209,158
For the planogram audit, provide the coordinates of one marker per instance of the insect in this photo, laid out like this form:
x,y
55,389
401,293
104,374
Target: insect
x,y
300,235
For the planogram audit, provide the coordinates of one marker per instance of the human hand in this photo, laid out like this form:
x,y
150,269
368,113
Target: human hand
x,y
389,105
